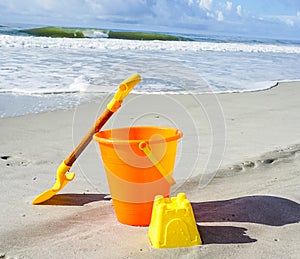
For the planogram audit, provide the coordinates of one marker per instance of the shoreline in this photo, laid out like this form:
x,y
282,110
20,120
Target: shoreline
x,y
35,103
248,206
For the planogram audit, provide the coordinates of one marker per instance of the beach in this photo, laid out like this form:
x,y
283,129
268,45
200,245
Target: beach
x,y
242,179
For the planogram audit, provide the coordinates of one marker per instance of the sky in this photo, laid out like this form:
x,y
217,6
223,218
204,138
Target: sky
x,y
261,18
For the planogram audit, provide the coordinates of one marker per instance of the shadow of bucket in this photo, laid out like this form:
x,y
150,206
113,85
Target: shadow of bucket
x,y
133,178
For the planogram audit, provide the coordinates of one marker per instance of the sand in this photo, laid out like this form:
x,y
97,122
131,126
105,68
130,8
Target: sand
x,y
238,163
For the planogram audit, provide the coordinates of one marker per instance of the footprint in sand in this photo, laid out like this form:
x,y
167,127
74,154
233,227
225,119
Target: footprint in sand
x,y
248,164
5,157
243,166
281,155
236,168
14,161
268,161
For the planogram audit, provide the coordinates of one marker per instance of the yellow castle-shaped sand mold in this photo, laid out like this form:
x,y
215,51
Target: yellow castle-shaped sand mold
x,y
173,223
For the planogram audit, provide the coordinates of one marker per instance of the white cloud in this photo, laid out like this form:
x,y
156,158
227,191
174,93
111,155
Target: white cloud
x,y
239,10
190,2
211,15
118,7
220,16
228,6
206,4
289,22
94,5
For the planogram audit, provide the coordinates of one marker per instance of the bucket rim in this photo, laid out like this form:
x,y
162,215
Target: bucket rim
x,y
178,134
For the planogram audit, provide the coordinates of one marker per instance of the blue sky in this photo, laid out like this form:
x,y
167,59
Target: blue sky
x,y
264,18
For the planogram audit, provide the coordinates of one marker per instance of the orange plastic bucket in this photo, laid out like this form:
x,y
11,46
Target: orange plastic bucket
x,y
132,177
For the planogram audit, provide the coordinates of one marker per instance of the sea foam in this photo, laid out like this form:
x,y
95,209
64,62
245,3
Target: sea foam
x,y
117,44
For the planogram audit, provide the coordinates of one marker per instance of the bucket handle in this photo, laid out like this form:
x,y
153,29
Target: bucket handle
x,y
145,147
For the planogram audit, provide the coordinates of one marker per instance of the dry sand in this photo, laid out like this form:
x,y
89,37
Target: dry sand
x,y
240,153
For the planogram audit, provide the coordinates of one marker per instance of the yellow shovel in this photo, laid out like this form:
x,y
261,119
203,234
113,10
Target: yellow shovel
x,y
62,174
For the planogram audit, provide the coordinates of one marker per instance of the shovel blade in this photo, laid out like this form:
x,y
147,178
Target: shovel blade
x,y
46,195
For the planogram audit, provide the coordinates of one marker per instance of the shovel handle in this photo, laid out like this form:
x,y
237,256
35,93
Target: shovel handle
x,y
124,88
88,137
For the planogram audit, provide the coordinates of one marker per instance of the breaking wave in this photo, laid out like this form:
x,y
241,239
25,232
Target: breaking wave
x,y
63,32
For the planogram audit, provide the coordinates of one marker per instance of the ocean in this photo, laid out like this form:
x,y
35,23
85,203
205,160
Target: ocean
x,y
44,69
